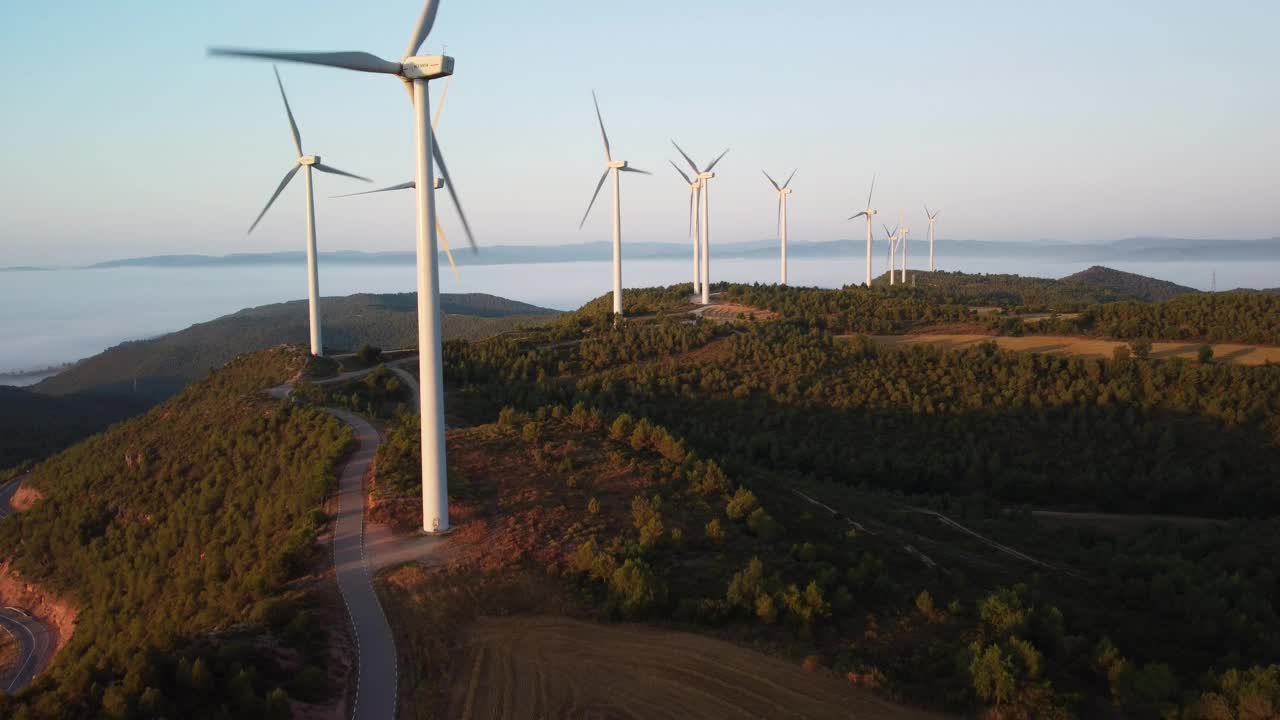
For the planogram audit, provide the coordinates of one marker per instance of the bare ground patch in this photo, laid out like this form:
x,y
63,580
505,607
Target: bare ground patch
x,y
1084,346
54,612
539,667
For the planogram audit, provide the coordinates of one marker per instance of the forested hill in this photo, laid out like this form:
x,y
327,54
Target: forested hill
x,y
1138,287
1095,286
163,365
33,424
178,536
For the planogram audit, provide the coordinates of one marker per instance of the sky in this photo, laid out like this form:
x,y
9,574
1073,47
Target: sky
x,y
1083,120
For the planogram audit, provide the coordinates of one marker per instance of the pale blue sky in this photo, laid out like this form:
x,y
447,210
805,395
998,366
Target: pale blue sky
x,y
1080,120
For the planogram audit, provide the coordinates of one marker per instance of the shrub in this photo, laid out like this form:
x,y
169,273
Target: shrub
x,y
1205,354
368,354
741,504
715,533
763,525
636,588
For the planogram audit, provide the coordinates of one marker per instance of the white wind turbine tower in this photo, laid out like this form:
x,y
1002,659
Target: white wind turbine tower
x,y
902,240
704,197
415,71
868,214
695,223
616,167
313,273
783,192
892,236
932,218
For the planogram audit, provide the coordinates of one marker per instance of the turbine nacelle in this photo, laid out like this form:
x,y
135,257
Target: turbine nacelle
x,y
785,191
426,67
706,175
309,160
617,164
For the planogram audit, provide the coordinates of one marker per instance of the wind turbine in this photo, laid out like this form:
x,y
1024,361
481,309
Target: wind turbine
x,y
695,222
892,236
783,192
902,240
703,177
868,213
313,273
415,71
932,218
435,125
616,167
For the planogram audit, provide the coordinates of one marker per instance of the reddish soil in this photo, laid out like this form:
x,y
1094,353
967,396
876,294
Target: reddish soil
x,y
730,311
24,498
57,614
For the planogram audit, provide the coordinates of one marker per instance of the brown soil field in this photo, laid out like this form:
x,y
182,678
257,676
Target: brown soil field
x,y
544,667
1086,347
730,311
1117,524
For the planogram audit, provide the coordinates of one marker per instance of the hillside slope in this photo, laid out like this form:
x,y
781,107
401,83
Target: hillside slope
x,y
1138,287
163,365
177,536
34,425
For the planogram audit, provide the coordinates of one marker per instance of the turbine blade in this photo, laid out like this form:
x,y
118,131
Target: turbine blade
x,y
926,210
435,121
635,170
279,189
423,28
297,138
859,215
682,174
402,186
787,184
873,189
451,186
448,253
692,197
772,182
335,171
713,162
687,159
358,61
593,197
608,156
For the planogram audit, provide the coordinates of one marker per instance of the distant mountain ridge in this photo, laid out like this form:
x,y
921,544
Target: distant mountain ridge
x,y
1129,249
160,366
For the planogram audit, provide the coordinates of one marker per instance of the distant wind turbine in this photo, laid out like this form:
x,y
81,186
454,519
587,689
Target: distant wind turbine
x,y
435,124
868,214
892,236
704,176
313,273
783,191
932,218
415,71
616,167
902,240
695,223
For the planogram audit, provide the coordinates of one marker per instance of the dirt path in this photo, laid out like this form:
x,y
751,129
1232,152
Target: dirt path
x,y
551,667
1086,347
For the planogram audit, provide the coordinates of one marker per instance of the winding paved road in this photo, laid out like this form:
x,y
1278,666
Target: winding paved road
x,y
377,673
35,648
